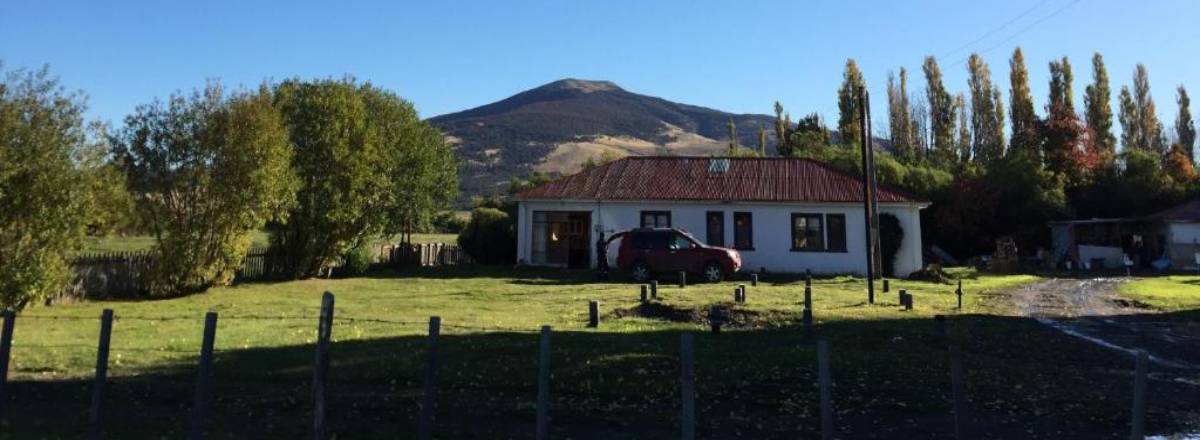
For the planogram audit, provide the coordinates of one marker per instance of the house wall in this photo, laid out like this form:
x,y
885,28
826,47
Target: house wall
x,y
1183,242
772,234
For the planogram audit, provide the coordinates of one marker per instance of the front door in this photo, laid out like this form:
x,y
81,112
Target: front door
x,y
561,238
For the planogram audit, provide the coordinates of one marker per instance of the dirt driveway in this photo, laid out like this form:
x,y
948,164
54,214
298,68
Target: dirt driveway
x,y
1091,309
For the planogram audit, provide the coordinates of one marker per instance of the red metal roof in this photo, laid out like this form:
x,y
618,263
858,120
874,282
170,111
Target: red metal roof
x,y
696,178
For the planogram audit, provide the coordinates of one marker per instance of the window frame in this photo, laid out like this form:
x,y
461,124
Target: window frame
x,y
642,218
749,230
808,215
708,232
825,232
829,234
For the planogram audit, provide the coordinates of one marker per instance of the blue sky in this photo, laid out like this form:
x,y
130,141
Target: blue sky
x,y
452,55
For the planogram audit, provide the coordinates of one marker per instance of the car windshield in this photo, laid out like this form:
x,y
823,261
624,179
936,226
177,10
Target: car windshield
x,y
690,237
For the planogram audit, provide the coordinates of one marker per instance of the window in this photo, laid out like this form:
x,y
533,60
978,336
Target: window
x,y
715,235
743,231
808,232
817,232
656,219
651,240
836,223
678,241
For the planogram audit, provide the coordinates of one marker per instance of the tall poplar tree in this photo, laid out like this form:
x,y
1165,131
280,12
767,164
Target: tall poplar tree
x,y
762,141
849,113
1024,119
783,141
1139,117
987,118
900,116
941,113
964,128
1061,133
1097,100
1185,128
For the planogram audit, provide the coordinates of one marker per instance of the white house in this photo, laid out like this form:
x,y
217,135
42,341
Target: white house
x,y
781,214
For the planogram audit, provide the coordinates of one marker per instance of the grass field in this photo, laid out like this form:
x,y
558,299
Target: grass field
x,y
1167,293
259,238
756,380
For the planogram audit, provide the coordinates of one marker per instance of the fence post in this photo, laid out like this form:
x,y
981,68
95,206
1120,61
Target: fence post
x,y
203,373
543,391
808,297
687,416
593,313
754,279
958,292
956,387
644,296
1138,427
106,320
5,349
654,288
321,364
428,397
682,279
886,285
826,389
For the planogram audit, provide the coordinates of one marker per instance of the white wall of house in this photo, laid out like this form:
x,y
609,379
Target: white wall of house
x,y
772,234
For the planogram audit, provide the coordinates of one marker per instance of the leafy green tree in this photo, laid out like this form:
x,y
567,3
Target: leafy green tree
x,y
810,135
1024,119
964,128
733,141
43,195
1062,133
111,210
849,113
1097,101
900,124
941,114
783,127
1185,128
762,141
987,114
1130,127
368,167
490,236
208,171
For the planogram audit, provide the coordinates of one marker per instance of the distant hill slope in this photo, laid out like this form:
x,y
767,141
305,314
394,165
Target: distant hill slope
x,y
560,125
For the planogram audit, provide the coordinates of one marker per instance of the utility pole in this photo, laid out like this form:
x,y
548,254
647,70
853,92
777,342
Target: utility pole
x,y
868,167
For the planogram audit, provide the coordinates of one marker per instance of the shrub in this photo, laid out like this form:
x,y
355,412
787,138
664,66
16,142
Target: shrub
x,y
490,237
448,222
891,235
357,261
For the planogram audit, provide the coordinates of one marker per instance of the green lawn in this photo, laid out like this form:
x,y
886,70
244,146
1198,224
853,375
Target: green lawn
x,y
618,381
259,238
1167,293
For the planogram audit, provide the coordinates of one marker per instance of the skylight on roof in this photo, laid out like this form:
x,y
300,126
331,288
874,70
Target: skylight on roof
x,y
718,166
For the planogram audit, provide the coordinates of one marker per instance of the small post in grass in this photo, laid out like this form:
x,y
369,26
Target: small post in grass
x,y
203,374
737,294
742,295
886,286
682,279
826,389
958,292
429,384
654,289
644,297
807,277
1138,426
321,364
715,318
754,279
543,391
5,349
956,386
808,297
687,392
96,417
593,313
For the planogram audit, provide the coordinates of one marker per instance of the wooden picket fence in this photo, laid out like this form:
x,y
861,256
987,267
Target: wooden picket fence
x,y
123,274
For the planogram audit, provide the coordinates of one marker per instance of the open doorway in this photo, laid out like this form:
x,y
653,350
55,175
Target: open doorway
x,y
562,238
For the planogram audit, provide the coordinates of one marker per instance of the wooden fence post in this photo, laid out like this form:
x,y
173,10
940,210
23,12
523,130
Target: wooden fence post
x,y
682,279
687,391
958,292
654,288
96,420
645,297
808,297
203,374
956,387
321,364
428,396
543,390
886,285
593,313
1138,426
5,349
826,389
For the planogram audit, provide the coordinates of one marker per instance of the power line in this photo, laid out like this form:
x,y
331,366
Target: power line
x,y
1023,30
994,30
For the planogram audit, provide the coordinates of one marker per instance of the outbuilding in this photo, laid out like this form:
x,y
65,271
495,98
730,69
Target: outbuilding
x,y
781,214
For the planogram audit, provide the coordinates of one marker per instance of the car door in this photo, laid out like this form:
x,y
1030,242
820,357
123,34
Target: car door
x,y
657,252
684,253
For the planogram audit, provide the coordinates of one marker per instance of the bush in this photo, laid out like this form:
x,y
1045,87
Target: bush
x,y
448,222
357,261
490,237
890,237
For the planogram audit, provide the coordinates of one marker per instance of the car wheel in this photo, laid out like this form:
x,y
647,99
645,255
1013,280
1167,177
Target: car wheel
x,y
640,271
713,272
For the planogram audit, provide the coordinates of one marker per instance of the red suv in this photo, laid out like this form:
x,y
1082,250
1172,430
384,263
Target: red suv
x,y
649,250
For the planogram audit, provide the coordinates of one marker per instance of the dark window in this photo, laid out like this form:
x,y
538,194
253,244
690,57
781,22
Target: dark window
x,y
660,240
716,228
678,241
836,224
808,232
656,219
743,230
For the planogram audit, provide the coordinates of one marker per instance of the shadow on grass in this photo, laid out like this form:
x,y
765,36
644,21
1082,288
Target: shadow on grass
x,y
891,381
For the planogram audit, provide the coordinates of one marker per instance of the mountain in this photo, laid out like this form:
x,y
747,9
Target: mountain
x,y
559,126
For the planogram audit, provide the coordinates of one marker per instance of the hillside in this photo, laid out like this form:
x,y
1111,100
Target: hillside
x,y
560,125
